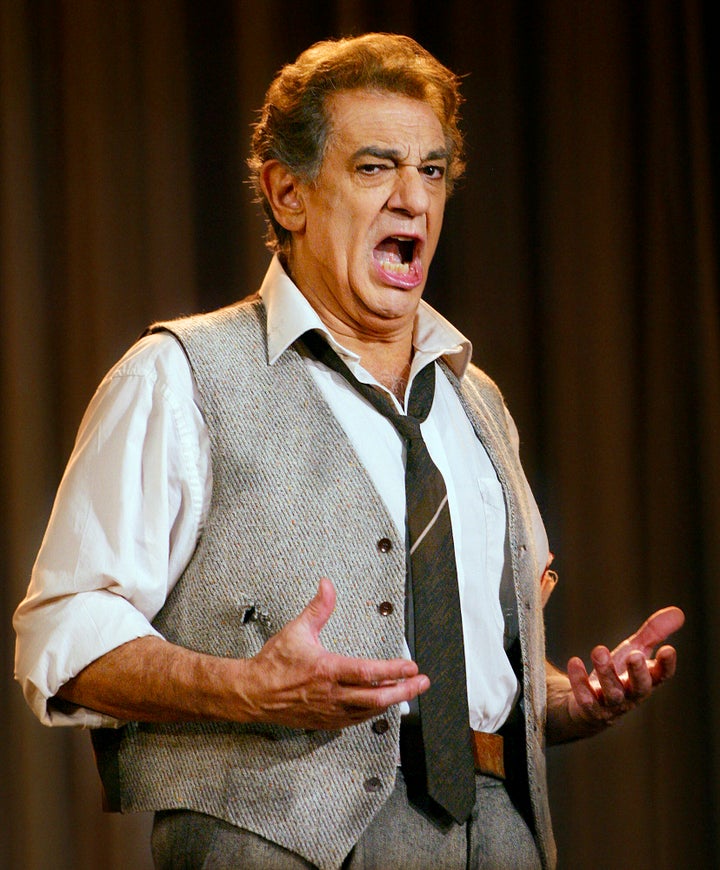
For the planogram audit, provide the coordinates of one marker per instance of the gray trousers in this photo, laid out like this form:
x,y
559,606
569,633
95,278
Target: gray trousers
x,y
495,838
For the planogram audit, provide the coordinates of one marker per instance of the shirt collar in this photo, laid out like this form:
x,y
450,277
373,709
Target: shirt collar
x,y
289,315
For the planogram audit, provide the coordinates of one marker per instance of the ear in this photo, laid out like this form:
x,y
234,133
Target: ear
x,y
283,193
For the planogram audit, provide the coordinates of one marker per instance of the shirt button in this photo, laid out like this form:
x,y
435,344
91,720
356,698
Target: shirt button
x,y
373,784
385,608
380,726
384,545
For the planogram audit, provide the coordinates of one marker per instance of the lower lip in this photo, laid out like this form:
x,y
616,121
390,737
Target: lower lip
x,y
406,280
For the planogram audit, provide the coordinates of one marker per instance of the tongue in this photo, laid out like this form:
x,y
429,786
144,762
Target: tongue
x,y
389,249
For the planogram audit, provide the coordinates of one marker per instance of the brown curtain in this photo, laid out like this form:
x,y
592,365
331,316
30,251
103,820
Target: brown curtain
x,y
579,255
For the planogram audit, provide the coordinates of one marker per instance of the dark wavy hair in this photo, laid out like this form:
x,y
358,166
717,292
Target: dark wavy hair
x,y
294,122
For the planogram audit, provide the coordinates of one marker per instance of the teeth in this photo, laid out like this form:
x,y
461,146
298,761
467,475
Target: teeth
x,y
396,268
391,264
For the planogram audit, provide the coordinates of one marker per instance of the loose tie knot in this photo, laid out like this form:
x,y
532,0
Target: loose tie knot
x,y
421,392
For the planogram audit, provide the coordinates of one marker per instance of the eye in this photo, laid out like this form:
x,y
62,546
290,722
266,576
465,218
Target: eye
x,y
433,171
373,168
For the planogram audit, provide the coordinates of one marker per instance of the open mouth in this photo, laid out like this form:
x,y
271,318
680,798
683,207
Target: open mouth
x,y
396,254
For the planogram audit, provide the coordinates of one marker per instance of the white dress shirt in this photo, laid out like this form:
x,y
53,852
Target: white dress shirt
x,y
132,503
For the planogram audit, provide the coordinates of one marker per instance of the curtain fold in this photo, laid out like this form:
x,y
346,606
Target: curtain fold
x,y
579,255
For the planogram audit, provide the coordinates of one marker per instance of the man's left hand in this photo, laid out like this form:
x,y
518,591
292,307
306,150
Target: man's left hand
x,y
582,703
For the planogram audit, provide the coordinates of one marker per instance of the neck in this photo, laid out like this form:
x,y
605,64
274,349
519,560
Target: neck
x,y
396,382
388,361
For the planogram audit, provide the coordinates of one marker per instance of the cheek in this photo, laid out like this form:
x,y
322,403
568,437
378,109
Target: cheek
x,y
435,228
323,239
338,230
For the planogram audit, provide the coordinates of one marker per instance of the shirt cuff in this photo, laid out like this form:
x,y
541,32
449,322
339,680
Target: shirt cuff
x,y
77,630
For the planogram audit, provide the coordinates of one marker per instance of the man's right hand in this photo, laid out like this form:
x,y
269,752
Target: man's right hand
x,y
295,681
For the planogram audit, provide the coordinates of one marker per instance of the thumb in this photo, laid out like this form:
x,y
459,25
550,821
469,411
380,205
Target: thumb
x,y
657,628
319,610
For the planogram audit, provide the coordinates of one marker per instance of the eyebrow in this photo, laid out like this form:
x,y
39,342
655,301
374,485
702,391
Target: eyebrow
x,y
395,155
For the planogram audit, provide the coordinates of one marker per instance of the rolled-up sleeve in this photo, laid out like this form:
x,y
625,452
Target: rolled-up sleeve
x,y
124,525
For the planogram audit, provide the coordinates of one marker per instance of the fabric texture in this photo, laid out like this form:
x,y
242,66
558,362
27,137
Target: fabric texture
x,y
495,838
256,566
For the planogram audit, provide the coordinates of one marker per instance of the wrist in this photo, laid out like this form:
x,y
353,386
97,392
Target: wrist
x,y
565,719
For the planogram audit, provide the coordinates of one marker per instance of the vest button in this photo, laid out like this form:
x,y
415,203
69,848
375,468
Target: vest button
x,y
385,608
380,726
373,784
384,545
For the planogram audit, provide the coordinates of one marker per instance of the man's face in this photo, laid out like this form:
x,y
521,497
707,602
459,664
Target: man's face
x,y
373,215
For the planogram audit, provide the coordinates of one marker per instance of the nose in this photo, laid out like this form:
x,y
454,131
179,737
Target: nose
x,y
409,193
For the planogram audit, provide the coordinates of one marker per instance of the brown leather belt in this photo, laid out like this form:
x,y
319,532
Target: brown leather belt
x,y
488,752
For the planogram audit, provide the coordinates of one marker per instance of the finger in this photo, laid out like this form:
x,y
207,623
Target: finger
x,y
371,673
613,690
377,699
664,666
319,610
657,628
582,688
639,676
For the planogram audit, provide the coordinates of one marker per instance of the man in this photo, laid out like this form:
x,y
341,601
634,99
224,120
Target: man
x,y
223,581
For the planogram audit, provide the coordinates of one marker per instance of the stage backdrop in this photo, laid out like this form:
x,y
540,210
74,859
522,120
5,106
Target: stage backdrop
x,y
579,255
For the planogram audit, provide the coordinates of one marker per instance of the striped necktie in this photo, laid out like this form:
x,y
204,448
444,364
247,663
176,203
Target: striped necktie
x,y
436,747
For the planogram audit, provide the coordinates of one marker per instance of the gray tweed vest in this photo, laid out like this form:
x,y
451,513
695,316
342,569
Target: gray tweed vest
x,y
291,503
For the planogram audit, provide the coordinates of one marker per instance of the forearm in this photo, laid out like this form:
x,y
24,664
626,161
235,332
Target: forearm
x,y
292,681
151,680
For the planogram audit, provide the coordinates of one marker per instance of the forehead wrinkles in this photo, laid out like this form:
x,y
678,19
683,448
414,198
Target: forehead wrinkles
x,y
409,128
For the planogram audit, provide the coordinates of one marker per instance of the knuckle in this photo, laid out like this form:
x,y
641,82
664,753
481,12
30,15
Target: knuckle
x,y
365,673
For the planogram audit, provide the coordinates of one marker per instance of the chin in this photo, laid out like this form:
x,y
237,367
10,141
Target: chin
x,y
394,309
